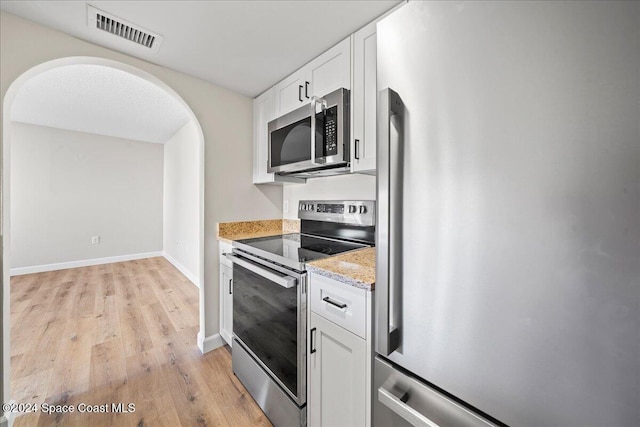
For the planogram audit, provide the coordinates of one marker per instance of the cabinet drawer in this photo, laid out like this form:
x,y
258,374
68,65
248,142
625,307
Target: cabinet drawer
x,y
224,248
326,297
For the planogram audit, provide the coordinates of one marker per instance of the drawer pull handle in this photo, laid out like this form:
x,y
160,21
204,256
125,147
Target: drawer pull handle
x,y
332,302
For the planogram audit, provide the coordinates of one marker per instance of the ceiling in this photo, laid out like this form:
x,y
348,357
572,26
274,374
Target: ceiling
x,y
246,46
100,100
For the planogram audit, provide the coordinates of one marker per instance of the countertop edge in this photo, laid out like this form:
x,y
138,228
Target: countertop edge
x,y
341,278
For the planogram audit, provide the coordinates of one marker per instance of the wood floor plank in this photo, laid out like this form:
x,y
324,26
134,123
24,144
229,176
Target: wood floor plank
x,y
43,297
63,299
144,289
133,328
149,386
87,299
39,350
72,363
120,333
107,318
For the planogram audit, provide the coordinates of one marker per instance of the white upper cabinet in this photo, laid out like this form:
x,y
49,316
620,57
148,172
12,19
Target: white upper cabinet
x,y
263,112
331,70
324,74
351,64
290,93
363,98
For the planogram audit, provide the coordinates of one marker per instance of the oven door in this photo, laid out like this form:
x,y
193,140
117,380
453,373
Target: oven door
x,y
291,146
269,320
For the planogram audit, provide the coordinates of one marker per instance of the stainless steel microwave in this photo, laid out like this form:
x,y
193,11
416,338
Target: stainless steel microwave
x,y
312,140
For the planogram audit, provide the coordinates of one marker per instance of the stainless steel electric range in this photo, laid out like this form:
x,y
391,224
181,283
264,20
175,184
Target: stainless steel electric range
x,y
270,301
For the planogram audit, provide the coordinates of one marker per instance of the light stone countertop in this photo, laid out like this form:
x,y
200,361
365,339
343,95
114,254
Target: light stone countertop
x,y
229,231
356,268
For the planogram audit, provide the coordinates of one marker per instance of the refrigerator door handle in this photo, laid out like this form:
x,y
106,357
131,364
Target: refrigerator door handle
x,y
398,405
389,222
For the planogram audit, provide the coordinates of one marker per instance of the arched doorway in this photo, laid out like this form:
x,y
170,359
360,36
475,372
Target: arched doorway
x,y
6,199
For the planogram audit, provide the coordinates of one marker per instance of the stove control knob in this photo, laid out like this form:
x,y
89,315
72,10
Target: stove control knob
x,y
363,209
302,206
310,207
352,209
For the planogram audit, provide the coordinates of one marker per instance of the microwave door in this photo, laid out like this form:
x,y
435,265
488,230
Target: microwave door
x,y
289,146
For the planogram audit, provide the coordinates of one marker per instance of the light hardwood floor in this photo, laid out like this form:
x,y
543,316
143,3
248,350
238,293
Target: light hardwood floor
x,y
120,333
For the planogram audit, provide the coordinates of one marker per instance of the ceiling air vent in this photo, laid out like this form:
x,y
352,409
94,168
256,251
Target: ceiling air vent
x,y
130,35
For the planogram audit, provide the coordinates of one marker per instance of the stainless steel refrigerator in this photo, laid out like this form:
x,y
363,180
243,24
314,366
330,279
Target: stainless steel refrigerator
x,y
508,249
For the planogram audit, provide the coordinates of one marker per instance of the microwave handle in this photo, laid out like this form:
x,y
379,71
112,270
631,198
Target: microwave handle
x,y
323,105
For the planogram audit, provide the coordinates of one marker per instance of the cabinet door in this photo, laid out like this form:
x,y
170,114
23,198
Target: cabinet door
x,y
226,303
331,70
364,100
290,93
337,375
263,112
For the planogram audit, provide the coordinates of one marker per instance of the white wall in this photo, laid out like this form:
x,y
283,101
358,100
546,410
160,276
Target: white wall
x,y
225,117
67,186
180,204
341,187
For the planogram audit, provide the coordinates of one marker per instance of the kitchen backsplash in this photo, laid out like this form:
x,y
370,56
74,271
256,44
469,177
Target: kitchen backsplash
x,y
341,187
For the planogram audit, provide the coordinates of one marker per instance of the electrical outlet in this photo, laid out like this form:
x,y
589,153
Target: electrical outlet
x,y
285,206
95,240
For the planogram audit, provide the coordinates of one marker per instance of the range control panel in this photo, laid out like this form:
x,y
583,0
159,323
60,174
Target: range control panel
x,y
355,212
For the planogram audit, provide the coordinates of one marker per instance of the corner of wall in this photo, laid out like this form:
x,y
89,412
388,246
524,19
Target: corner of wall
x,y
209,343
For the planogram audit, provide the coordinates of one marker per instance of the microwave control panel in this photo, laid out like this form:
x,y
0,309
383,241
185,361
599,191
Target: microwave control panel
x,y
331,132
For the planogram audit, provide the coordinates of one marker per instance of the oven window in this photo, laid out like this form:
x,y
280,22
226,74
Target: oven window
x,y
265,318
291,144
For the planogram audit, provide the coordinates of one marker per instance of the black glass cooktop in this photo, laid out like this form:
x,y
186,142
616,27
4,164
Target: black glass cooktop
x,y
297,247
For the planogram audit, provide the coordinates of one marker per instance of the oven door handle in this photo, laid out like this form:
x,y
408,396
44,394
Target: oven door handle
x,y
284,281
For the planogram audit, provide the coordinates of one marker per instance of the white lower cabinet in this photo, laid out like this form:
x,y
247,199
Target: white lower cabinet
x,y
337,375
339,354
226,294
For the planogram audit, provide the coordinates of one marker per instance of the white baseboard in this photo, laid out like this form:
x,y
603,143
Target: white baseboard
x,y
82,263
226,338
181,268
209,343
